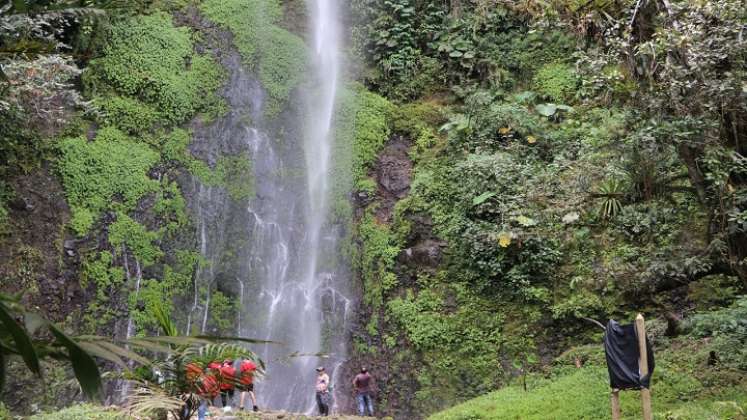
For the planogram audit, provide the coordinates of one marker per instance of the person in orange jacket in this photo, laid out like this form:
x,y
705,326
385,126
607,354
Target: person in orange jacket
x,y
246,383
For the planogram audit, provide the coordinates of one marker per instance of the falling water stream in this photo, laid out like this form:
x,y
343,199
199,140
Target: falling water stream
x,y
278,252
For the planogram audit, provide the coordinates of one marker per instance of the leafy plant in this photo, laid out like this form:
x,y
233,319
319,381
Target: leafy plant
x,y
611,193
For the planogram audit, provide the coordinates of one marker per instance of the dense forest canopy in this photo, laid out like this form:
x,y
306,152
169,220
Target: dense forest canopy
x,y
504,173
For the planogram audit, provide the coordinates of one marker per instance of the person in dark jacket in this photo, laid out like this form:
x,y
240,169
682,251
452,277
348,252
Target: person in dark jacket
x,y
363,385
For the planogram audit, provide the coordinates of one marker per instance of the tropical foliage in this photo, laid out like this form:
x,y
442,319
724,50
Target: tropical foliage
x,y
563,161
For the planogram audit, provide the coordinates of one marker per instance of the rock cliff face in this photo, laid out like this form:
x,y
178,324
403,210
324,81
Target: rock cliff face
x,y
37,258
394,366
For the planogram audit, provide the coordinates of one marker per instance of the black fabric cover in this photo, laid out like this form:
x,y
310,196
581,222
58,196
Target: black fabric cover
x,y
621,350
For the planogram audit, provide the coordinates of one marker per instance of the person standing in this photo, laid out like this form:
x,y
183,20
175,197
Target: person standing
x,y
227,383
246,383
363,386
205,384
322,391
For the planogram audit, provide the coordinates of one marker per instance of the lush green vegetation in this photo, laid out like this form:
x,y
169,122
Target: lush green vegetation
x,y
147,58
362,126
569,160
562,176
278,56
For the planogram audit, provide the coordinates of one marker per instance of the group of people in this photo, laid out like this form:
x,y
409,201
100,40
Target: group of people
x,y
221,378
363,386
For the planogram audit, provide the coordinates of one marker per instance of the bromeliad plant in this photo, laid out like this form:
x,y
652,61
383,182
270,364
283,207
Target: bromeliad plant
x,y
176,383
611,192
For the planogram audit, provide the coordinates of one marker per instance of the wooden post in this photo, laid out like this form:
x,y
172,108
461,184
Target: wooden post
x,y
615,403
640,328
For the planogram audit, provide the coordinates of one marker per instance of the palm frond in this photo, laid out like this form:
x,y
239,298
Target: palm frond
x,y
148,399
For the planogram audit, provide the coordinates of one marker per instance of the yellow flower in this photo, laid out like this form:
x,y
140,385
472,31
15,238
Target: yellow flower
x,y
531,139
504,130
504,239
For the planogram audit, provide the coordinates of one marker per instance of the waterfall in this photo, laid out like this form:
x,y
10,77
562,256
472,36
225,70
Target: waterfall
x,y
277,253
297,282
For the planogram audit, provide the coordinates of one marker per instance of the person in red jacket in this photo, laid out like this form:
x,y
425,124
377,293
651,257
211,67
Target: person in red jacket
x,y
227,383
246,383
204,383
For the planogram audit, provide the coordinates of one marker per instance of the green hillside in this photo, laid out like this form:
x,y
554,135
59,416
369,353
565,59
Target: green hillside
x,y
695,378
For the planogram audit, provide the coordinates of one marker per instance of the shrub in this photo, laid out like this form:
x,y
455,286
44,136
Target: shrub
x,y
556,82
728,329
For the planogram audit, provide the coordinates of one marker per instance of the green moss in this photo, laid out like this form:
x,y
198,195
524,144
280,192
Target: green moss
x,y
128,114
113,168
150,60
362,127
171,207
278,56
281,66
128,233
377,257
98,269
372,129
246,19
235,173
81,220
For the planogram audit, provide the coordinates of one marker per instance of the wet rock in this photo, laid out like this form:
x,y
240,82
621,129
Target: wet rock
x,y
393,172
362,198
426,254
21,204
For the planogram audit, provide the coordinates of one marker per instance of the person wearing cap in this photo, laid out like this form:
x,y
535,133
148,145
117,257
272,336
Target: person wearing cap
x,y
363,387
322,391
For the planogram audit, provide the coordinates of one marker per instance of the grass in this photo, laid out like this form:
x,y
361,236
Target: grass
x,y
82,412
584,394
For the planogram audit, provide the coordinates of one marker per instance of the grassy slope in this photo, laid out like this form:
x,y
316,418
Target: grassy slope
x,y
584,394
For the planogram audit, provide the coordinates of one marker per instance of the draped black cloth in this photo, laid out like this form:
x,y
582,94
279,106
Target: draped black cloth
x,y
621,351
